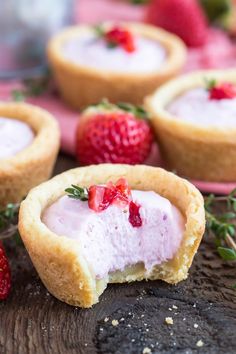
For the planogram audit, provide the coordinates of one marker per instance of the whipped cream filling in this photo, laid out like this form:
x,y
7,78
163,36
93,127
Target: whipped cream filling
x,y
194,106
15,136
107,239
90,51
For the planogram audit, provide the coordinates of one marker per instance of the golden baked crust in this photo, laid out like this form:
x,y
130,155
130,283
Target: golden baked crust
x,y
32,165
197,152
58,260
81,86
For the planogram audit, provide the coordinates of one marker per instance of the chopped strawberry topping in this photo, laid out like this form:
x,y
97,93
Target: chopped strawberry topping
x,y
101,197
134,215
222,91
120,37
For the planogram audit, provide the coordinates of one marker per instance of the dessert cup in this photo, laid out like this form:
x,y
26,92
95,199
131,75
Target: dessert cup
x,y
81,85
59,259
34,164
199,149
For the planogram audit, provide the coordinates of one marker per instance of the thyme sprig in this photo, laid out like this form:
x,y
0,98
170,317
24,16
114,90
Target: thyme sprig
x,y
222,226
9,220
77,192
31,88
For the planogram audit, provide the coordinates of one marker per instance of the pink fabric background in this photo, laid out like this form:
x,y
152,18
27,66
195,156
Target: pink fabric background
x,y
219,52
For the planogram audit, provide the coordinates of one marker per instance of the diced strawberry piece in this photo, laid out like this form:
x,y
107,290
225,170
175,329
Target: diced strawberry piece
x,y
134,215
223,91
118,36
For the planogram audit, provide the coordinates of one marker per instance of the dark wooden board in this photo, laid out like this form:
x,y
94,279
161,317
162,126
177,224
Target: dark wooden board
x,y
33,321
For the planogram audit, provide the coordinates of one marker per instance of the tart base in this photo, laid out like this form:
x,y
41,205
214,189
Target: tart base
x,y
81,86
34,164
193,151
59,260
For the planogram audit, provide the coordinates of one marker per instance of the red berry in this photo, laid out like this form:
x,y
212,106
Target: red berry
x,y
225,90
118,36
134,215
185,18
115,137
101,197
5,274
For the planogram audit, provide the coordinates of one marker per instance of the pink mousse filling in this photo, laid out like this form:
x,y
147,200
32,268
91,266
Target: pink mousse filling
x,y
109,242
14,137
195,106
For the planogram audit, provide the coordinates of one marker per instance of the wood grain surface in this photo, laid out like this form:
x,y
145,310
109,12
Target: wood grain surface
x,y
202,308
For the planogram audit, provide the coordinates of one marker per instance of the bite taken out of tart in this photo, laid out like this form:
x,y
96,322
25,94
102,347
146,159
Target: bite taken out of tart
x,y
194,119
29,143
121,62
111,223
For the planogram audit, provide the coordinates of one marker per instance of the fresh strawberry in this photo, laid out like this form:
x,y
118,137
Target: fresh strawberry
x,y
221,91
185,18
113,134
5,274
120,37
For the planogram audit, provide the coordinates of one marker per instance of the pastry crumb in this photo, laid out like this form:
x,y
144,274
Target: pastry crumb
x,y
114,323
169,320
195,325
122,319
106,319
174,307
146,350
199,343
170,309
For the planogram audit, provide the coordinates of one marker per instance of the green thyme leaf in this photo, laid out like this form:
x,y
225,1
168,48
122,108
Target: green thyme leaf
x,y
8,220
99,30
77,192
227,254
112,45
18,95
32,87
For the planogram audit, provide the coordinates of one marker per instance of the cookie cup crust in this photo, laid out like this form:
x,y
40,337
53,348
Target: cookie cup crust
x,y
33,164
59,260
206,153
81,86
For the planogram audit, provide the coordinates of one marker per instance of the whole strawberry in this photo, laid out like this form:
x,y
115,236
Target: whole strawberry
x,y
5,274
185,18
115,134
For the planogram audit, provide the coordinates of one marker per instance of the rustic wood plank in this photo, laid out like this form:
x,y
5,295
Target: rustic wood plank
x,y
33,321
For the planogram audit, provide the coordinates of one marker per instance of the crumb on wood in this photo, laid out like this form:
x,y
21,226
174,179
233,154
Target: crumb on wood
x,y
195,325
169,320
174,307
146,350
114,323
199,343
106,319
